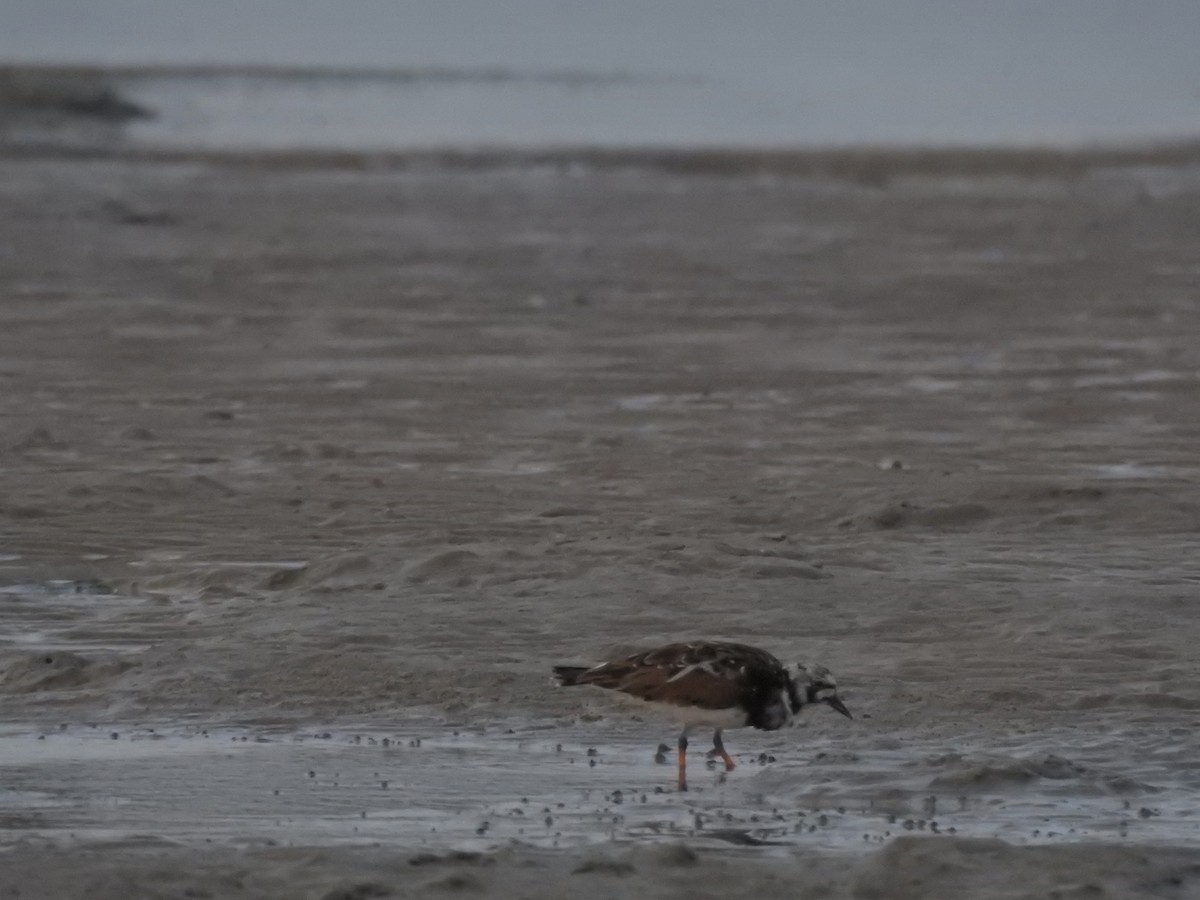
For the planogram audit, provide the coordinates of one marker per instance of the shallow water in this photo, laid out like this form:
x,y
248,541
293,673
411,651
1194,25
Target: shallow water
x,y
540,72
80,616
573,786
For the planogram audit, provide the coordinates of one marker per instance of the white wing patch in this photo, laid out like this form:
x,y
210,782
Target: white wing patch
x,y
706,666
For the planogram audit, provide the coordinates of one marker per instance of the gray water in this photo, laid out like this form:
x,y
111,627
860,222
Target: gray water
x,y
479,789
625,72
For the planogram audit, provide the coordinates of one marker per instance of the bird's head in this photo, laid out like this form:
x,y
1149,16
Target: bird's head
x,y
816,685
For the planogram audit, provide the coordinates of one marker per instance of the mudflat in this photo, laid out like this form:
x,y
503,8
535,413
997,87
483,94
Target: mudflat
x,y
309,471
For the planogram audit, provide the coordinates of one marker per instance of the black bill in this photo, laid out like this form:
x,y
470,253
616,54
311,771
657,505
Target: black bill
x,y
837,704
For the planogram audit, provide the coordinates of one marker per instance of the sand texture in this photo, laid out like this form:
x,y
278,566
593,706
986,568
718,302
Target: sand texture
x,y
308,473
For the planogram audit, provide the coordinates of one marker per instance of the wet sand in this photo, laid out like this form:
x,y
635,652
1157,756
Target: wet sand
x,y
299,458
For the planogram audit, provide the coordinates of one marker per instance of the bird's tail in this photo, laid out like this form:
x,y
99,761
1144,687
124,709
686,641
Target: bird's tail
x,y
568,675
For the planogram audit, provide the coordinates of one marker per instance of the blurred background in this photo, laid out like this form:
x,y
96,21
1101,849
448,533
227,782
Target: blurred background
x,y
361,74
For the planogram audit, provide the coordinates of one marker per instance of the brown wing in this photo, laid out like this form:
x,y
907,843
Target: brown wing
x,y
707,675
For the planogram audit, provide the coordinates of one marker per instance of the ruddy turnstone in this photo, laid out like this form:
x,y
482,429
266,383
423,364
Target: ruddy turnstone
x,y
712,683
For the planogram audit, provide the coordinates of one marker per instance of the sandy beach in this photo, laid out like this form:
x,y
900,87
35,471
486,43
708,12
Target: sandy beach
x,y
312,466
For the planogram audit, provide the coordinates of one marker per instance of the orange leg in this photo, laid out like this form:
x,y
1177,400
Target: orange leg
x,y
682,761
719,747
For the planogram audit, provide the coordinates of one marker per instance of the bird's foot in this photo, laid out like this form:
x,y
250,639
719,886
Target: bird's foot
x,y
714,754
